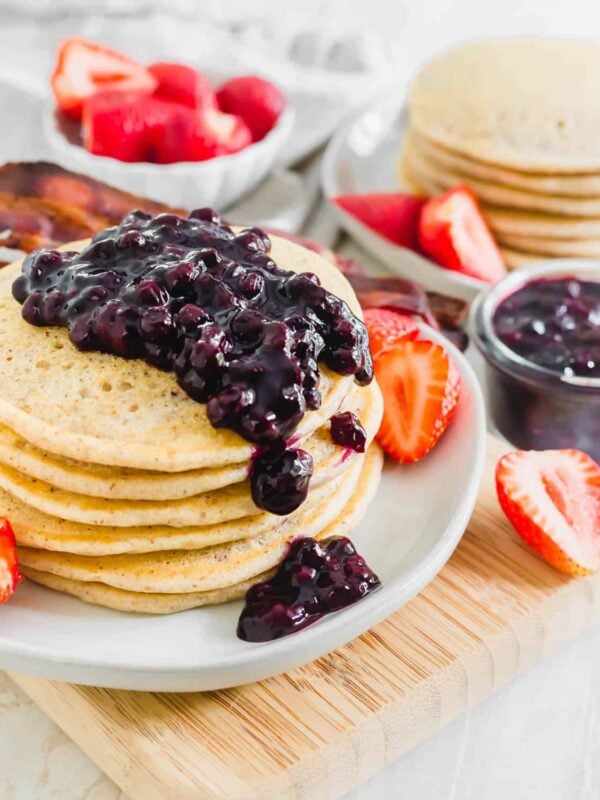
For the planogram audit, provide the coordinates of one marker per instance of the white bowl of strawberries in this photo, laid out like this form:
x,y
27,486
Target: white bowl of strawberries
x,y
163,131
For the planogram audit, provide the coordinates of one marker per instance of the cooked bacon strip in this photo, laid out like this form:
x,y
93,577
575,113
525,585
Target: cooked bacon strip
x,y
43,205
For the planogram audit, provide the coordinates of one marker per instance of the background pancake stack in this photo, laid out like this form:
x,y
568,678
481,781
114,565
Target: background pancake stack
x,y
122,493
519,121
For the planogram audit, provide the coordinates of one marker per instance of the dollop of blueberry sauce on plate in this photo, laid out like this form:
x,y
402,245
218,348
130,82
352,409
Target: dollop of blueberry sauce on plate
x,y
555,323
189,295
347,431
314,579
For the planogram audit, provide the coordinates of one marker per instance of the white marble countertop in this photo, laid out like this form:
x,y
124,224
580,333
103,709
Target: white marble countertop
x,y
540,737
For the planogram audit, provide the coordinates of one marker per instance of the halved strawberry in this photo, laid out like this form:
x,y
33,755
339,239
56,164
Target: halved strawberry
x,y
393,215
552,498
421,387
453,232
199,135
388,328
84,69
257,101
10,577
126,125
182,84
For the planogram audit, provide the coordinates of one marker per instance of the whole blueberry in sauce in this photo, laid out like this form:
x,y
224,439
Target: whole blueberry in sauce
x,y
190,296
314,579
555,323
347,431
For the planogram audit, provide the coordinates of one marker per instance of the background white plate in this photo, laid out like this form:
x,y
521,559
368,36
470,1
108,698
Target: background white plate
x,y
412,527
362,157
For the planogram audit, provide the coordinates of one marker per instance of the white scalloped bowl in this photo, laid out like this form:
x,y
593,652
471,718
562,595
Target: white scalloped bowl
x,y
217,182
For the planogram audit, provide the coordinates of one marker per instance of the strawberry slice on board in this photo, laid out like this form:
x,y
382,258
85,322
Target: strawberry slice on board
x,y
388,328
182,84
421,387
84,68
257,101
552,499
10,577
393,215
453,233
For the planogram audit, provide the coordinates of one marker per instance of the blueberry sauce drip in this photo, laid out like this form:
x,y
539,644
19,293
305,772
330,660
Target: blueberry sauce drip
x,y
555,323
314,579
347,431
279,478
192,297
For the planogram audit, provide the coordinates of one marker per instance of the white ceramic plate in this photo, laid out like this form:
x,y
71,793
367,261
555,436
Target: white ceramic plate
x,y
361,158
413,525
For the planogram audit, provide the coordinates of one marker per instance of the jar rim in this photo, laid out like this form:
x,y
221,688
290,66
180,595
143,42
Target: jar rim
x,y
497,352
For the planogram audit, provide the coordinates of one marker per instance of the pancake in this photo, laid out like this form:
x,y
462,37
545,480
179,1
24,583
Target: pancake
x,y
35,529
212,567
117,412
524,223
209,508
578,185
98,480
104,594
525,104
558,248
427,173
120,483
505,222
101,594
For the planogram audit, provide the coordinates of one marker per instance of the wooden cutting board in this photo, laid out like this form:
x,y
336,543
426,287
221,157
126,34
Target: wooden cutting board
x,y
319,731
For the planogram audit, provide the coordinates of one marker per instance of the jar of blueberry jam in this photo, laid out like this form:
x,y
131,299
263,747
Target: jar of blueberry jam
x,y
539,332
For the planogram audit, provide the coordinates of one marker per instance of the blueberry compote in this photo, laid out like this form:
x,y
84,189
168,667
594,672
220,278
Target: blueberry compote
x,y
554,323
193,297
314,579
347,431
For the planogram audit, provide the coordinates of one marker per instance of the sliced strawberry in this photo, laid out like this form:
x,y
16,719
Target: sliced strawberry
x,y
387,329
182,84
10,577
552,498
84,69
421,387
393,215
197,136
453,232
257,101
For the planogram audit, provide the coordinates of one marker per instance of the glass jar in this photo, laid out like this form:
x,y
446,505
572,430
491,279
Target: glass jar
x,y
534,407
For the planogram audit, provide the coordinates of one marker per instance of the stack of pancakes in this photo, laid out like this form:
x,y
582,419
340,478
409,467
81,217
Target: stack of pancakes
x,y
519,121
120,491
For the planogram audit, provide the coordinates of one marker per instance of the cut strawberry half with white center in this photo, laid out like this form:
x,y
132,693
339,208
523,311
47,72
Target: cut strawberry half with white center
x,y
10,577
454,233
552,498
420,386
83,69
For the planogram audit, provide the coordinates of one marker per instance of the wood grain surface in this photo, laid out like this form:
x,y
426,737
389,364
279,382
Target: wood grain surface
x,y
319,731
